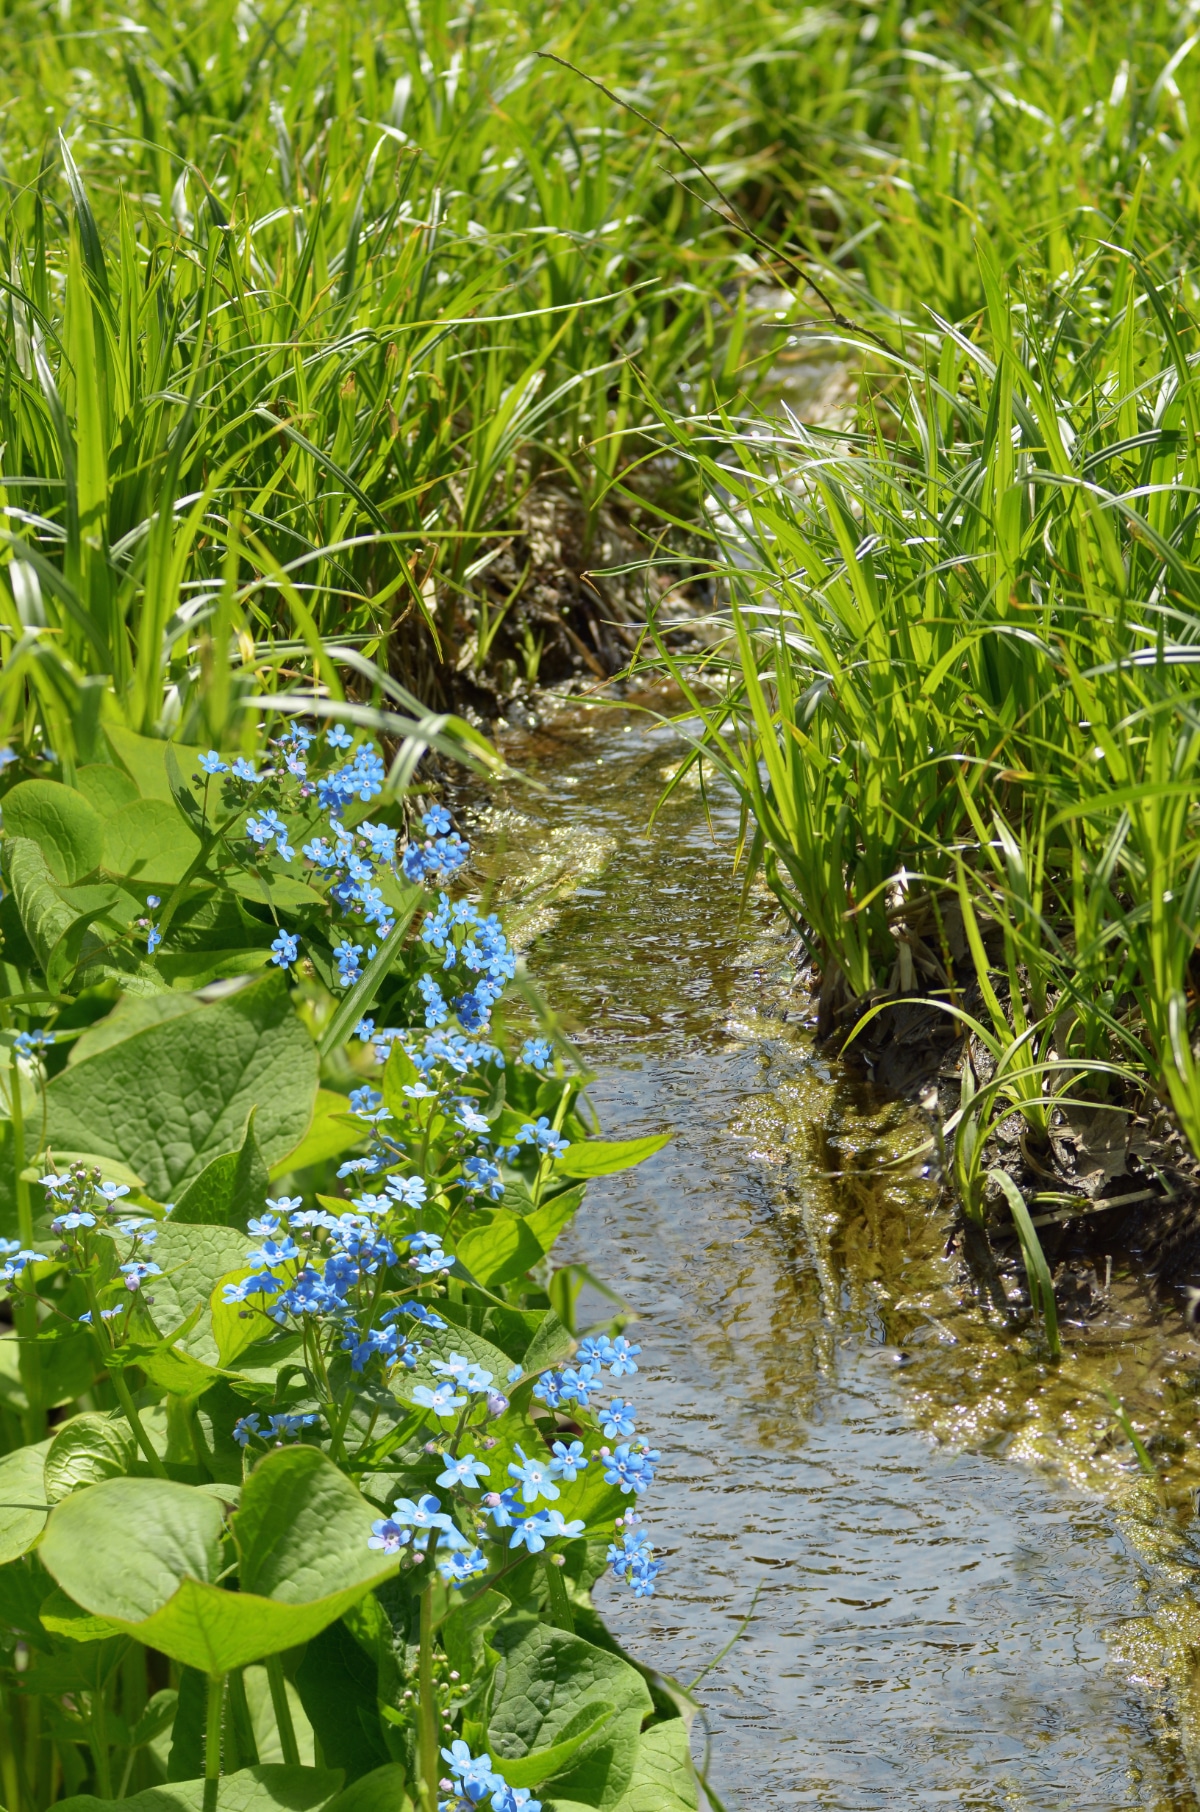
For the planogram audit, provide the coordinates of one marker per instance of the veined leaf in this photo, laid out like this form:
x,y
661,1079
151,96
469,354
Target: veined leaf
x,y
604,1157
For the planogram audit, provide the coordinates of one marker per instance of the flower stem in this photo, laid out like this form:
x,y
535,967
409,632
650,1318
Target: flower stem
x,y
125,1399
212,1740
25,1306
289,1748
99,1745
427,1728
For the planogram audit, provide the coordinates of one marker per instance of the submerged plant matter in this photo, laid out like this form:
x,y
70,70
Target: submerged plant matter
x,y
334,1476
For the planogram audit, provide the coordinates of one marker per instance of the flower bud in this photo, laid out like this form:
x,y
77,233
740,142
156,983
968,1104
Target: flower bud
x,y
496,1404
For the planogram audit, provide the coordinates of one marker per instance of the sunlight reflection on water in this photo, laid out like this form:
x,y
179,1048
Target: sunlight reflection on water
x,y
936,1626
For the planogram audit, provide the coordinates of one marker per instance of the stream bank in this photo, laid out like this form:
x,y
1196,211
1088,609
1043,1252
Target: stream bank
x,y
967,1593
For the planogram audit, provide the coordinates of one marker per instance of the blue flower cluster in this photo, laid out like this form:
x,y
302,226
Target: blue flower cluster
x,y
86,1206
472,1780
347,861
476,950
441,855
324,1268
631,1556
279,1428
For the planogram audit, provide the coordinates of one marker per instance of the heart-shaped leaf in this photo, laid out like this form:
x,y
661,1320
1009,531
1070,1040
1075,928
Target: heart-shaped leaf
x,y
146,1554
85,1450
61,822
149,841
175,1094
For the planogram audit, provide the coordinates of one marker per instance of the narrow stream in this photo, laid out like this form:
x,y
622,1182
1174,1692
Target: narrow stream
x,y
967,1595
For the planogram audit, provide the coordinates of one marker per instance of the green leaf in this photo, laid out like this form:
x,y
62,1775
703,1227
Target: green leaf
x,y
144,758
61,822
83,1666
63,1617
338,1687
282,891
229,1190
236,1326
85,1450
380,1791
271,1787
663,1779
45,916
547,1686
24,1589
23,1505
399,1073
149,842
120,1549
302,1531
439,1343
538,1766
330,1133
548,1221
132,1013
105,787
147,1553
175,1094
157,1717
57,1364
551,1343
499,1249
604,1157
194,1259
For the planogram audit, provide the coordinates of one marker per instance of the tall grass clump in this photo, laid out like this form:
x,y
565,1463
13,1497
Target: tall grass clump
x,y
956,688
303,314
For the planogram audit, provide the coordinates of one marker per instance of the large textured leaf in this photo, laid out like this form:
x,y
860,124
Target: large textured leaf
x,y
338,1684
548,1684
132,1013
144,758
177,1093
332,1131
230,1189
146,1554
193,1260
439,1343
380,1791
271,1787
121,1548
45,915
499,1249
663,1779
105,787
85,1450
61,822
540,1764
23,1504
149,840
302,1530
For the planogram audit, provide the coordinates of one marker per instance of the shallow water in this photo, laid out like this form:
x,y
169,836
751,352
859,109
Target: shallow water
x,y
967,1596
